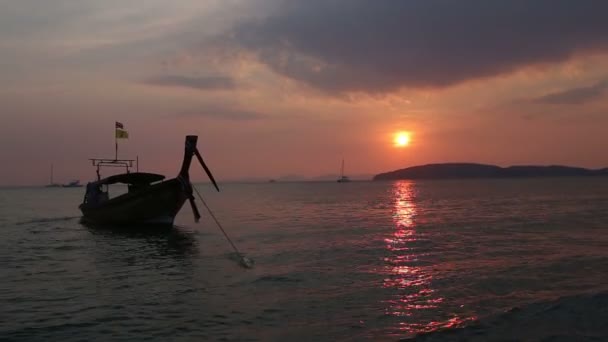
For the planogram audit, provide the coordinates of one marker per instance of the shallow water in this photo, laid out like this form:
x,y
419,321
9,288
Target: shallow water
x,y
335,262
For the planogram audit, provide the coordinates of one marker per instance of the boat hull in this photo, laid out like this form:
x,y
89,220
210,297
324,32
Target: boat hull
x,y
156,204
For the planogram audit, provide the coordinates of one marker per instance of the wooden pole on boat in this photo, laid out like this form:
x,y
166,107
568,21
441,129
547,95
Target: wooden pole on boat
x,y
115,143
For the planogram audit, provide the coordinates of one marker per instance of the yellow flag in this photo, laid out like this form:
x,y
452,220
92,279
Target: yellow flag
x,y
122,134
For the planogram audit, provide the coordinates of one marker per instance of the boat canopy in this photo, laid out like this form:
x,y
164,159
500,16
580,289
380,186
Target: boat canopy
x,y
134,178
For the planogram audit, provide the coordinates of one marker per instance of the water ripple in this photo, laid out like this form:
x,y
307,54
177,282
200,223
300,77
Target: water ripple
x,y
360,261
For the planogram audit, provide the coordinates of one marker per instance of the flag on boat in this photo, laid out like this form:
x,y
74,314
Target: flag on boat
x,y
121,134
120,131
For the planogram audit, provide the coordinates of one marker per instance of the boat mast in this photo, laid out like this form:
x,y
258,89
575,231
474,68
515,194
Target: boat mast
x,y
342,169
115,142
51,174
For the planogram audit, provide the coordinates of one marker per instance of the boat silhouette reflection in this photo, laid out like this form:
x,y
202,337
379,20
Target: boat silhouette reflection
x,y
168,241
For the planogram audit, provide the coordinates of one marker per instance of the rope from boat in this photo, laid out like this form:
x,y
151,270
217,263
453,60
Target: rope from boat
x,y
246,262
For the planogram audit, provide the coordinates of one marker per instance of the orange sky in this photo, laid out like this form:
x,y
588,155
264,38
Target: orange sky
x,y
277,87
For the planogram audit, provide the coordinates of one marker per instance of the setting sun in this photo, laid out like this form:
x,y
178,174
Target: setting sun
x,y
402,139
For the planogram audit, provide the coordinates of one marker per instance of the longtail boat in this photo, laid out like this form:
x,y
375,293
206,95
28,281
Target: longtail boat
x,y
150,198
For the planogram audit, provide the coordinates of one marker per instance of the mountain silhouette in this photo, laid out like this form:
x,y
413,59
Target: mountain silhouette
x,y
472,170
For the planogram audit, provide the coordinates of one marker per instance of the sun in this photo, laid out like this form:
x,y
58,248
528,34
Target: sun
x,y
402,139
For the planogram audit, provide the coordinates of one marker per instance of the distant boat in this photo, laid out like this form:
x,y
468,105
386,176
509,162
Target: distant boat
x,y
150,199
343,178
73,184
51,183
272,181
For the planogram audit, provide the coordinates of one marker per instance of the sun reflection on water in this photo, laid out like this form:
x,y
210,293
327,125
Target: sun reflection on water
x,y
408,274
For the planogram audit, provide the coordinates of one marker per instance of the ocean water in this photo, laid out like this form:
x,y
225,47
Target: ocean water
x,y
379,261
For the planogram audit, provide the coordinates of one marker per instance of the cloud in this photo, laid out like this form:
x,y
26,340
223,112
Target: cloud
x,y
575,96
200,83
222,113
379,46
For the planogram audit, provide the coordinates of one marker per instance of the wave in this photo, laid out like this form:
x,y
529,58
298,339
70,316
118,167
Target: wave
x,y
574,318
48,219
276,278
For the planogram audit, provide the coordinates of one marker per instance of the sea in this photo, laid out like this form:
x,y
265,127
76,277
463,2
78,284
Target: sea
x,y
443,260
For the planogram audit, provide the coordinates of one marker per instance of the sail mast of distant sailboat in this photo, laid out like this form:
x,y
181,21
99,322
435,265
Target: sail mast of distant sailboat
x,y
343,178
51,180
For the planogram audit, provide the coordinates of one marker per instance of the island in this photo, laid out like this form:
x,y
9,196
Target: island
x,y
473,170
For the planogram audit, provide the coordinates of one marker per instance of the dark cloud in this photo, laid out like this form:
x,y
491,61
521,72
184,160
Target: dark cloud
x,y
575,96
200,83
222,113
363,45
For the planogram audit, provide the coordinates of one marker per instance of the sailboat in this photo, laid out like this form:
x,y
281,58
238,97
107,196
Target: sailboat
x,y
343,178
52,184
